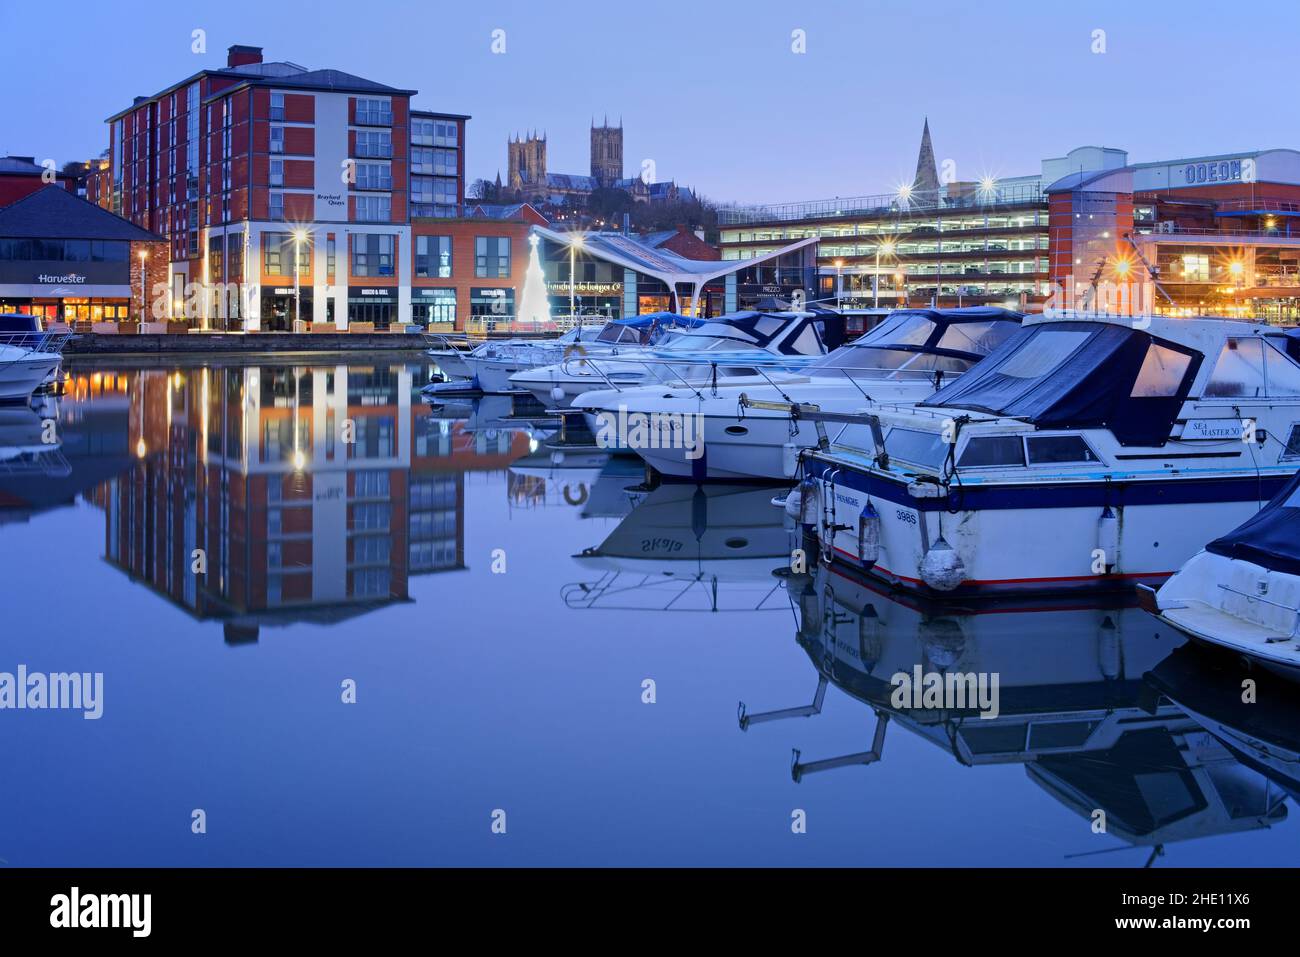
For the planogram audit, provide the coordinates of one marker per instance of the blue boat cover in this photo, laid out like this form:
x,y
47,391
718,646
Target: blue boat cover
x,y
1271,538
1075,375
648,319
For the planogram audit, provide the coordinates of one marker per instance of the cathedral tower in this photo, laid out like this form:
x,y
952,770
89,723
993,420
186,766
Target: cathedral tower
x,y
607,153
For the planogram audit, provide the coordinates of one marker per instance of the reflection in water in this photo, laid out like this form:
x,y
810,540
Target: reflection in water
x,y
1076,708
688,548
329,493
308,493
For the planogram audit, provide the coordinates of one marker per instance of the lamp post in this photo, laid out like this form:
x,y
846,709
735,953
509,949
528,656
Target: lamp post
x,y
875,279
144,254
839,281
298,236
574,243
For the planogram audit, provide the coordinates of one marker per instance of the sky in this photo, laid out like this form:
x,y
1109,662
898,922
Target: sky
x,y
715,95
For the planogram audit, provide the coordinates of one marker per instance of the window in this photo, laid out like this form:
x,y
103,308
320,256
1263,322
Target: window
x,y
422,161
1292,450
1051,449
277,139
1043,353
370,582
372,255
1161,374
376,143
371,485
371,517
993,450
374,111
1239,371
421,132
278,254
374,209
1283,373
444,162
276,210
371,550
431,307
492,257
922,448
277,106
433,257
374,176
277,172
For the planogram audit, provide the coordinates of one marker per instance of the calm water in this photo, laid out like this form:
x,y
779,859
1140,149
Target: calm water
x,y
499,603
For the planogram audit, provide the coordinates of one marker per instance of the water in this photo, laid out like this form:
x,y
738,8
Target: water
x,y
499,603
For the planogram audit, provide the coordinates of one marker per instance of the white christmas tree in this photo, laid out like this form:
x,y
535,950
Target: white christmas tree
x,y
534,305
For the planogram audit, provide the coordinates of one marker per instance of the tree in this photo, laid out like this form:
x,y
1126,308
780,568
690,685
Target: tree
x,y
609,204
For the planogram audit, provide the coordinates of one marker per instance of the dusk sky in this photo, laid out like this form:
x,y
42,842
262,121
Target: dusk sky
x,y
712,93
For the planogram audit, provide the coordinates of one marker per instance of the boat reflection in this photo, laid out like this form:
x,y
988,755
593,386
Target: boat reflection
x,y
266,495
688,548
1075,707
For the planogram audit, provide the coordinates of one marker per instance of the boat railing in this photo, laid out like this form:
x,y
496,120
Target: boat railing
x,y
594,365
51,463
51,343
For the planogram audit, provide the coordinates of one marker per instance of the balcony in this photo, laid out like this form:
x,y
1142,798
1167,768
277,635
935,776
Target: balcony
x,y
374,118
374,150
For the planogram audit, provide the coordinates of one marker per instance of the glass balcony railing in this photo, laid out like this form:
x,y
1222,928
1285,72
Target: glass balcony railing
x,y
374,118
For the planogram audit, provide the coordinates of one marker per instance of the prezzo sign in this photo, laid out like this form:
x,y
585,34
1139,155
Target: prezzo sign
x,y
1220,171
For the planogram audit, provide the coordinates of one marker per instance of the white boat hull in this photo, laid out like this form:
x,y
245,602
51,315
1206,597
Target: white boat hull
x,y
23,374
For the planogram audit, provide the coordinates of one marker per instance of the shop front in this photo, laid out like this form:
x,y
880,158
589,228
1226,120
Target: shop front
x,y
434,308
280,306
589,298
373,304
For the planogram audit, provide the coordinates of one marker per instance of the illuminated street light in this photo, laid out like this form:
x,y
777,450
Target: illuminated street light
x,y
299,235
576,242
839,281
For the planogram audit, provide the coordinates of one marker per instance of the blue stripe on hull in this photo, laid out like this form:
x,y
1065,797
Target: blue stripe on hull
x,y
1164,491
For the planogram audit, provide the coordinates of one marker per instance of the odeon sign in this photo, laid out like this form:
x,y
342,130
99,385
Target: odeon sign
x,y
1222,171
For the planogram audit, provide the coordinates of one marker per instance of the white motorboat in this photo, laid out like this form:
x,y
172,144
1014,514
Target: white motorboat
x,y
750,426
29,356
491,364
741,343
1242,593
1084,453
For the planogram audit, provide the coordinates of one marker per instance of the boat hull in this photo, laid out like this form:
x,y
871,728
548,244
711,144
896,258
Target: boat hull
x,y
1025,538
21,376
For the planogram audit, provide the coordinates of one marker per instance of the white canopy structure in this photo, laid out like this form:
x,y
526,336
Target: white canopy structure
x,y
668,267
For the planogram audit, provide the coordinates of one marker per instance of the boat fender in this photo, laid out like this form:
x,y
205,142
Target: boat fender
x,y
869,535
809,501
1108,538
794,503
790,459
557,393
942,568
1110,652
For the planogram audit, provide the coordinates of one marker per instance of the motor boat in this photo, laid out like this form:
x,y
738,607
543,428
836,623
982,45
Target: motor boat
x,y
1242,593
1085,452
29,356
736,344
491,364
751,424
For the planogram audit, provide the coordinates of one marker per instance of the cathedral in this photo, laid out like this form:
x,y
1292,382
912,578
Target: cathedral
x,y
529,177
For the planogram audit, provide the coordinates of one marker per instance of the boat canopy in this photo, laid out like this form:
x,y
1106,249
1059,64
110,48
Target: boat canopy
x,y
922,343
1081,375
1271,538
782,333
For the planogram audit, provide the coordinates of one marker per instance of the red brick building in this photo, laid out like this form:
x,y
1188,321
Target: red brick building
x,y
22,175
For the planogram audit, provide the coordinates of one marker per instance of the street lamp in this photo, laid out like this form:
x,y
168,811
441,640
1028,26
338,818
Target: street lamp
x,y
144,254
888,249
298,236
839,281
575,242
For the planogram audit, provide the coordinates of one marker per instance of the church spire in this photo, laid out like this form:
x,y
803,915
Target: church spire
x,y
927,173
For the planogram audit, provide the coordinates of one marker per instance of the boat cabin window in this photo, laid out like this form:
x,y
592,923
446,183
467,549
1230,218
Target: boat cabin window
x,y
1292,450
1161,373
1280,370
978,337
917,447
1053,449
907,329
618,334
1239,371
867,362
993,450
807,343
1043,353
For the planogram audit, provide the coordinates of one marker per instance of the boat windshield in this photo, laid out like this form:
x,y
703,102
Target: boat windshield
x,y
883,363
616,334
713,335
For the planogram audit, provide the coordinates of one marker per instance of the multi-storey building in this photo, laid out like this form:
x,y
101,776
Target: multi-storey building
x,y
285,193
